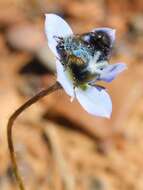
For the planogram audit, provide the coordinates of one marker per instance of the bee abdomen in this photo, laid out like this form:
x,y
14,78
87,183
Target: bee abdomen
x,y
81,74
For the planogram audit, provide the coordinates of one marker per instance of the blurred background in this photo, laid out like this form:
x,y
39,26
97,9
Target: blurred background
x,y
58,145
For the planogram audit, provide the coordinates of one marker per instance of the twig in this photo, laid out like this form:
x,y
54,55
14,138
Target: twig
x,y
67,177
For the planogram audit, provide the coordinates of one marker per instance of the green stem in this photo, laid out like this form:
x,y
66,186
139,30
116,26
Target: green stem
x,y
11,120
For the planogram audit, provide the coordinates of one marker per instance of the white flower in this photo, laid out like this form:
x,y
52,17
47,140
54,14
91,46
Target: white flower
x,y
94,100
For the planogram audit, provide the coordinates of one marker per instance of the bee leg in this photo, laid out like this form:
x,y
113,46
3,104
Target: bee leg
x,y
65,67
100,87
69,61
74,83
58,38
74,86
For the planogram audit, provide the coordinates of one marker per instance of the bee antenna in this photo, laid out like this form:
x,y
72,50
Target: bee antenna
x,y
57,38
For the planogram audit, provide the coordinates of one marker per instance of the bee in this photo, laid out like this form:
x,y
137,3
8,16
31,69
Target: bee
x,y
85,55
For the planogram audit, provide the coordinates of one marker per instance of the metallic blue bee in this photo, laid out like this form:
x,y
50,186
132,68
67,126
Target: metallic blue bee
x,y
85,55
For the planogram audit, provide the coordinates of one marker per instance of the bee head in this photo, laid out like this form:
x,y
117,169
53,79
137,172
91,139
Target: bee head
x,y
100,40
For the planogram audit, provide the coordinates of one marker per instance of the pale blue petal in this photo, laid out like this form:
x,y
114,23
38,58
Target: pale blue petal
x,y
111,71
95,101
110,31
64,80
55,26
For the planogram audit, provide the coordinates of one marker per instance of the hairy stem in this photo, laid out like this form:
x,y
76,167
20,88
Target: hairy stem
x,y
11,120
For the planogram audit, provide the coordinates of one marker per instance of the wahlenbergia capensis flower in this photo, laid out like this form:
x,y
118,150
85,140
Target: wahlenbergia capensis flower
x,y
94,99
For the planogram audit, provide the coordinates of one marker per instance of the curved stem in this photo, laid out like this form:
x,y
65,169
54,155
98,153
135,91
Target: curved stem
x,y
11,120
